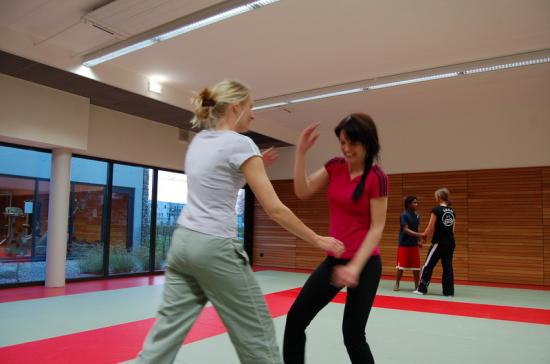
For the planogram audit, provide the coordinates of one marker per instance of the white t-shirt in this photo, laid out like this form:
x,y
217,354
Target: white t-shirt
x,y
212,165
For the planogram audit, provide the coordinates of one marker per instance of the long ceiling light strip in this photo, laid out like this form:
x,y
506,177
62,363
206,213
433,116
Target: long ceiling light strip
x,y
119,52
270,106
179,31
330,94
507,65
407,82
412,80
204,22
310,98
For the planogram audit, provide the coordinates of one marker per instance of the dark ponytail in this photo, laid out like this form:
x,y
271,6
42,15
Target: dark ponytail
x,y
361,186
360,128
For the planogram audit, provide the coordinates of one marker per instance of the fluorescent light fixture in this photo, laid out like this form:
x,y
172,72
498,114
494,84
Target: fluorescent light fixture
x,y
179,31
507,65
119,52
406,81
202,23
330,94
309,98
155,87
269,106
413,80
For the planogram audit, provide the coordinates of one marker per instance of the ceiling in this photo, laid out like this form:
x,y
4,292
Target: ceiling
x,y
287,47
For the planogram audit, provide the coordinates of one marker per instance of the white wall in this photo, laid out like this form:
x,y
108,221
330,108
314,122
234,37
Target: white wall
x,y
491,120
36,115
42,116
122,137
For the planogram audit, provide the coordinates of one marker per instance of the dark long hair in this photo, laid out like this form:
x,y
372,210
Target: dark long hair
x,y
360,128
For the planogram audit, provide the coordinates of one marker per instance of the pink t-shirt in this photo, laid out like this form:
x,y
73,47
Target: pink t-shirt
x,y
350,220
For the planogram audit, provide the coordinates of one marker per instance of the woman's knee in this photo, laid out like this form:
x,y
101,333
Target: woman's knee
x,y
354,338
298,318
294,319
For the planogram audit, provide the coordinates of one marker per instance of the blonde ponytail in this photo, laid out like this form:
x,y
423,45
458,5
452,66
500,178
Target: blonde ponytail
x,y
211,103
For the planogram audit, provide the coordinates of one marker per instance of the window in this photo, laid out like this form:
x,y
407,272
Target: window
x,y
112,206
24,196
239,210
86,218
171,200
130,230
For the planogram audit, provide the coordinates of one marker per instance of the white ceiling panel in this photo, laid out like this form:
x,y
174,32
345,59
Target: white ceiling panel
x,y
82,38
43,19
130,17
12,11
57,22
292,46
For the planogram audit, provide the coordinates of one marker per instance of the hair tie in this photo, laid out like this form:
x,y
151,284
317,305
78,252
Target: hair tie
x,y
208,102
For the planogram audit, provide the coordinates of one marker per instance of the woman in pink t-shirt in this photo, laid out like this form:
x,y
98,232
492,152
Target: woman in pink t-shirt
x,y
357,199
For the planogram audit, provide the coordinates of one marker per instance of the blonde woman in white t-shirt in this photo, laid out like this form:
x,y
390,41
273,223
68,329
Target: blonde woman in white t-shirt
x,y
206,262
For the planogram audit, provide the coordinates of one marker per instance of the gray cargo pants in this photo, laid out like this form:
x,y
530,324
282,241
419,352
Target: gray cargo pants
x,y
205,268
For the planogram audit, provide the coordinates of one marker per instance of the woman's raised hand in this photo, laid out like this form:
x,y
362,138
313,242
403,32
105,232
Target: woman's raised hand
x,y
269,156
307,138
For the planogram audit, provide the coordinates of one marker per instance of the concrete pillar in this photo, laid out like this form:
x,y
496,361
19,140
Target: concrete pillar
x,y
58,217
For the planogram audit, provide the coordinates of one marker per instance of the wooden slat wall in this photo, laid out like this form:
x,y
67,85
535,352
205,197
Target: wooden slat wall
x,y
388,246
505,230
502,232
274,246
546,222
